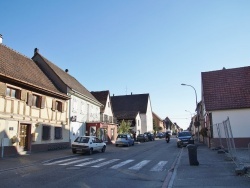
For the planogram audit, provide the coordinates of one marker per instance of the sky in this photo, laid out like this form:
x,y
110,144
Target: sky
x,y
134,46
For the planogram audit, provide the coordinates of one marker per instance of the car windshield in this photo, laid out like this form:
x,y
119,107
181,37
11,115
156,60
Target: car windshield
x,y
184,134
82,140
141,135
122,136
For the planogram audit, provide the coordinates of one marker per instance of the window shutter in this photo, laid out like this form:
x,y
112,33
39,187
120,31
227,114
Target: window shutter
x,y
30,96
54,104
63,104
3,89
43,102
24,95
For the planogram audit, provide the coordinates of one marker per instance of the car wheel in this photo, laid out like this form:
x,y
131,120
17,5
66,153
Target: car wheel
x,y
73,151
103,149
133,143
128,144
116,145
90,151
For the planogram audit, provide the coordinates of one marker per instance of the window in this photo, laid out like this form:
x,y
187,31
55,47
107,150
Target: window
x,y
35,100
57,105
58,132
112,134
13,93
46,132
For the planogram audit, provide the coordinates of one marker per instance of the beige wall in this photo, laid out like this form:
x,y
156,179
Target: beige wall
x,y
14,112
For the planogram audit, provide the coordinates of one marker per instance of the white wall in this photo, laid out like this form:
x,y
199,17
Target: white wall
x,y
108,110
85,112
138,124
239,120
149,115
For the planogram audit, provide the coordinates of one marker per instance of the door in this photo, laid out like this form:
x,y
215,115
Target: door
x,y
24,136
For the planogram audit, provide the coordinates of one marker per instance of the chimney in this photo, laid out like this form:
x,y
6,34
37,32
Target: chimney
x,y
36,50
1,39
67,70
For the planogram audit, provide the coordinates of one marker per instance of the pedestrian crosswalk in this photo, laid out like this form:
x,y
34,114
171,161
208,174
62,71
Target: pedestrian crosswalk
x,y
130,164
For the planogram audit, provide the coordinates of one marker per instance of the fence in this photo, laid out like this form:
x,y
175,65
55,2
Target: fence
x,y
223,132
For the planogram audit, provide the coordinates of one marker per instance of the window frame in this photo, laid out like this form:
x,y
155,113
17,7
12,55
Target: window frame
x,y
46,132
60,136
9,92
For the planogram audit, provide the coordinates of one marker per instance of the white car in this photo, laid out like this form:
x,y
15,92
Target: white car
x,y
88,144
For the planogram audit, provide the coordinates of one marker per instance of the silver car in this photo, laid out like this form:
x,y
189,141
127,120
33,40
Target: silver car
x,y
124,140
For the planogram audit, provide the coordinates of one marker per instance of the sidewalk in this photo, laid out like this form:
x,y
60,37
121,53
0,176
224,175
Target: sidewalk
x,y
213,170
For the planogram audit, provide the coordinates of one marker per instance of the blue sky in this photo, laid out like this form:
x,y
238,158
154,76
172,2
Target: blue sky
x,y
138,46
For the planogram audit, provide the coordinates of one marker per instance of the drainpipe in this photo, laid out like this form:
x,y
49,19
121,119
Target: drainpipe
x,y
2,145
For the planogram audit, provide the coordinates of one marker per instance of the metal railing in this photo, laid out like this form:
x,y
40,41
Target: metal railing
x,y
226,139
223,132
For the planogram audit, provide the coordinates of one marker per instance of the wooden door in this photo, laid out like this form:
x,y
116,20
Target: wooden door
x,y
24,135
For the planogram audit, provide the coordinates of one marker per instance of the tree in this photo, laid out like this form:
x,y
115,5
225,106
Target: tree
x,y
124,127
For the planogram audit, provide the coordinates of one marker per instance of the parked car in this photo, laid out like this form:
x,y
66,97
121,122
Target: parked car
x,y
124,140
142,138
184,138
151,136
88,144
160,135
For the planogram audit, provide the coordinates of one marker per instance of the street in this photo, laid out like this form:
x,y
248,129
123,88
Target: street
x,y
142,165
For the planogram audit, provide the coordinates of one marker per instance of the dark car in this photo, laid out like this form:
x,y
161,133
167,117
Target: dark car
x,y
124,140
160,135
142,138
151,136
184,138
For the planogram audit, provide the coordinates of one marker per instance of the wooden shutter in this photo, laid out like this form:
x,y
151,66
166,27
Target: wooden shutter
x,y
63,106
3,89
30,96
54,104
24,95
43,101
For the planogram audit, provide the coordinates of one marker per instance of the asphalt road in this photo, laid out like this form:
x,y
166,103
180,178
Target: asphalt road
x,y
142,165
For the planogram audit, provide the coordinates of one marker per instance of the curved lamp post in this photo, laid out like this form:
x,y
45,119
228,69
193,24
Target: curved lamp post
x,y
195,106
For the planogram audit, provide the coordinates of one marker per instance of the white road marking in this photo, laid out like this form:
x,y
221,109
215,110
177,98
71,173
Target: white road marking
x,y
159,166
121,164
139,165
61,161
72,162
105,163
90,162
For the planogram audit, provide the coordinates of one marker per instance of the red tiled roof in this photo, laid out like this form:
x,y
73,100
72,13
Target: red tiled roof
x,y
23,69
226,89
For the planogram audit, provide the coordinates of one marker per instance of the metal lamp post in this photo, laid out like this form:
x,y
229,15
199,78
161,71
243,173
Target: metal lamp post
x,y
195,107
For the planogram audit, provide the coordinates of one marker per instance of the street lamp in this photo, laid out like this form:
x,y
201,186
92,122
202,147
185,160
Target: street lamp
x,y
195,107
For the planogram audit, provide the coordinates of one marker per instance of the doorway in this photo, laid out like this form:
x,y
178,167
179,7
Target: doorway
x,y
25,137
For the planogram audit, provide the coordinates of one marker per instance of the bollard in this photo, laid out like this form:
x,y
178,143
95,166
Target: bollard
x,y
192,154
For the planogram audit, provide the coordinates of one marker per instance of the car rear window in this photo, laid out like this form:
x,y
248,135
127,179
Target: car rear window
x,y
82,140
122,136
184,134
